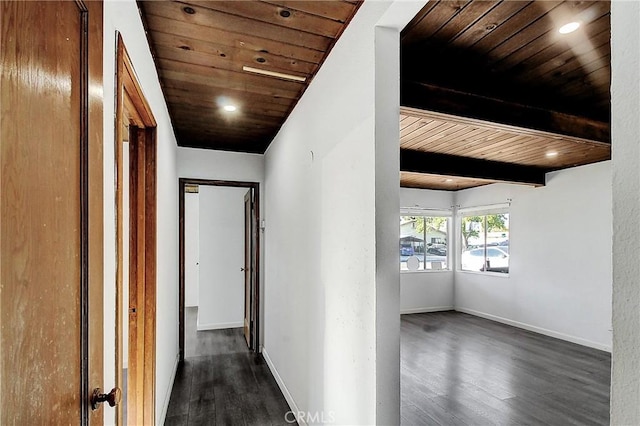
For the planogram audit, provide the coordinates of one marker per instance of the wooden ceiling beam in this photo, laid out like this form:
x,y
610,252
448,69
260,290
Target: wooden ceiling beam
x,y
452,102
452,165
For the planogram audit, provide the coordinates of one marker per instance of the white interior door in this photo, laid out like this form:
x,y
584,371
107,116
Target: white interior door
x,y
191,248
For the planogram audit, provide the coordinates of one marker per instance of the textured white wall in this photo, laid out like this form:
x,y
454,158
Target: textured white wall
x,y
191,248
625,114
124,17
560,277
332,195
221,288
427,291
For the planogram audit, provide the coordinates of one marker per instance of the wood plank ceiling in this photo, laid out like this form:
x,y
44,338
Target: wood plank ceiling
x,y
201,49
491,91
530,96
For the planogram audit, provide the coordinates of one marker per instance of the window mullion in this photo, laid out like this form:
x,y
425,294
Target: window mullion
x,y
424,244
485,244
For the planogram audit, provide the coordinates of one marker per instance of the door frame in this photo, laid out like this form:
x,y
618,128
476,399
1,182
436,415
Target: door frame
x,y
142,241
255,293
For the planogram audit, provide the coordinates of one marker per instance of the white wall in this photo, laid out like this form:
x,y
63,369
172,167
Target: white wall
x,y
124,17
427,291
625,129
221,289
220,165
559,280
191,248
332,184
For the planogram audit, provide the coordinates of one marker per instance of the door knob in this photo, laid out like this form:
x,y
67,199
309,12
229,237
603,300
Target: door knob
x,y
113,398
241,269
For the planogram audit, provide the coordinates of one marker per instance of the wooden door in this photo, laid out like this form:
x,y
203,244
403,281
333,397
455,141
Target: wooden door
x,y
248,254
51,212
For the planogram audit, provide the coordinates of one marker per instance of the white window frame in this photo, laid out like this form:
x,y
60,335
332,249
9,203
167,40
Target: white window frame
x,y
480,211
447,213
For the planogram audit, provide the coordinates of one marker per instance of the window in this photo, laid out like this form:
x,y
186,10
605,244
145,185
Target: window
x,y
423,242
485,242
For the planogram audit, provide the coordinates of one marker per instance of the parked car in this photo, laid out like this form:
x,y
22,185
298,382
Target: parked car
x,y
437,251
497,259
406,251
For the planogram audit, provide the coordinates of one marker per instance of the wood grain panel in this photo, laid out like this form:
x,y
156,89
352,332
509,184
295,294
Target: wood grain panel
x,y
228,79
245,41
547,60
336,10
552,42
211,61
96,204
201,47
238,24
260,113
488,22
530,14
51,254
444,183
271,14
217,97
461,21
536,30
232,58
517,56
439,15
483,140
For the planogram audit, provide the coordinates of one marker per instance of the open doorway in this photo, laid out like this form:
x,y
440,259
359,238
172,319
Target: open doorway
x,y
219,277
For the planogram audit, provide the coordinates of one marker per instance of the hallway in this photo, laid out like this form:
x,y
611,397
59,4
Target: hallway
x,y
222,383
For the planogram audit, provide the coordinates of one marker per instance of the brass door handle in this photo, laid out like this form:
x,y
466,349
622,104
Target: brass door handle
x,y
113,398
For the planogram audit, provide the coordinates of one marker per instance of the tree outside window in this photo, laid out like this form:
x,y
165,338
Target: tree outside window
x,y
485,243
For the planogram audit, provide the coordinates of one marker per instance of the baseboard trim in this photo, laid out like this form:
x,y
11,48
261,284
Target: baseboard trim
x,y
535,329
167,397
425,310
219,326
287,395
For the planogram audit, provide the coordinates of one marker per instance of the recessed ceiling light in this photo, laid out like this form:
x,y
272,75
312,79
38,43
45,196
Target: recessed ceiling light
x,y
448,180
569,28
229,108
552,154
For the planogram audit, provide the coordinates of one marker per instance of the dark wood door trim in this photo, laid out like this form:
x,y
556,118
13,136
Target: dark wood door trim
x,y
84,214
255,303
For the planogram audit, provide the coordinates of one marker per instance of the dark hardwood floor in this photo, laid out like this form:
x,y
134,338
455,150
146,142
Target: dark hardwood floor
x,y
457,369
222,383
